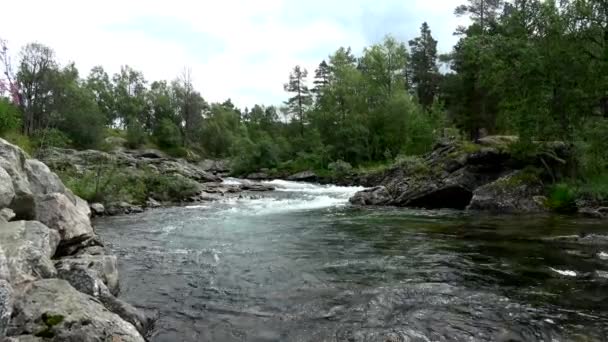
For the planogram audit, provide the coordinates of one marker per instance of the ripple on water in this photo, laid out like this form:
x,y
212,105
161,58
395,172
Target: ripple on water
x,y
299,264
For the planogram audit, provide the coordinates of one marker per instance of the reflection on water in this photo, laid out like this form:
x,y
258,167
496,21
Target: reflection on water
x,y
299,264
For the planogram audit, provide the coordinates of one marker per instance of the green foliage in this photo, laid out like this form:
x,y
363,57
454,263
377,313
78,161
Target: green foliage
x,y
595,189
114,184
10,118
413,165
340,168
51,137
562,198
168,135
136,136
21,140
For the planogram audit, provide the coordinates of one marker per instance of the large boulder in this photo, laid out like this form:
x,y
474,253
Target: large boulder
x,y
41,179
516,192
97,276
59,213
13,161
26,248
103,267
54,310
7,191
373,196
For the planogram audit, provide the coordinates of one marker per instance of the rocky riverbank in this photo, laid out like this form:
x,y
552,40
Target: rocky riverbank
x,y
129,181
57,282
486,176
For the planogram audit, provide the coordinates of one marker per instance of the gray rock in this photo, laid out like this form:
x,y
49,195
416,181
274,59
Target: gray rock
x,y
26,248
89,281
23,338
59,213
41,179
7,192
258,176
81,205
6,214
102,266
12,160
6,305
513,193
215,166
97,209
152,203
54,309
373,196
151,154
305,176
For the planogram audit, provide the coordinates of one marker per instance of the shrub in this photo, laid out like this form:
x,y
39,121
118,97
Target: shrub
x,y
136,136
10,119
562,198
20,140
340,168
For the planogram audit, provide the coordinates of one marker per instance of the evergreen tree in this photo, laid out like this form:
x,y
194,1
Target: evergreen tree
x,y
423,66
298,104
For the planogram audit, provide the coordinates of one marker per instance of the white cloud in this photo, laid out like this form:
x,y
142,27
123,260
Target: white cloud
x,y
236,48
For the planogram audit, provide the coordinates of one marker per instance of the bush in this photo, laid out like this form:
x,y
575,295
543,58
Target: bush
x,y
562,198
51,137
136,136
168,135
112,184
340,168
20,140
10,119
413,165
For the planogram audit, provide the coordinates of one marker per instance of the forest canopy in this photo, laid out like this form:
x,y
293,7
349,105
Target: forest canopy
x,y
532,68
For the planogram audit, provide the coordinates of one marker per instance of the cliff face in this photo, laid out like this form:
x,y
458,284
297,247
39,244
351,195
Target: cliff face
x,y
56,282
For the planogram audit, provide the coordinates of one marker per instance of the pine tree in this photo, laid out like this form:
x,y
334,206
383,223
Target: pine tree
x,y
297,104
423,66
322,75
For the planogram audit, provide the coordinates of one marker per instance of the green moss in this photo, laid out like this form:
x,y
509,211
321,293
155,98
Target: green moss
x,y
50,321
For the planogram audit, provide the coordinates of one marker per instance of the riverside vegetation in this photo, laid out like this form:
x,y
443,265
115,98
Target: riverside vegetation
x,y
534,69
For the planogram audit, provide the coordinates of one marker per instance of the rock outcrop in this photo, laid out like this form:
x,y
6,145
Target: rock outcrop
x,y
372,196
56,282
516,192
455,175
56,311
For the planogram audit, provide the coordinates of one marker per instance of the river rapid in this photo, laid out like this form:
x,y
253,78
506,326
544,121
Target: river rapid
x,y
301,264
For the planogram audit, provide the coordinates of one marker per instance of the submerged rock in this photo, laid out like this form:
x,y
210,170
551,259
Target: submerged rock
x,y
53,309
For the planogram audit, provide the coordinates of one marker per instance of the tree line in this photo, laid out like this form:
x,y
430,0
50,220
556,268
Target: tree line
x,y
532,68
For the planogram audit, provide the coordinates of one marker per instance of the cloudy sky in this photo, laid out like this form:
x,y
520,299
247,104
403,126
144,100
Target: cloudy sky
x,y
238,49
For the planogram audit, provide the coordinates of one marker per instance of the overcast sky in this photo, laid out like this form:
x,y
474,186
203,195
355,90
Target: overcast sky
x,y
238,49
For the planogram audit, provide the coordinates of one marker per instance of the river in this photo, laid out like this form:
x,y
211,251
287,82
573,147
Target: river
x,y
300,264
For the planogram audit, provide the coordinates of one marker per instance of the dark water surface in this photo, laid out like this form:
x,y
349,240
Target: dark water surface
x,y
301,265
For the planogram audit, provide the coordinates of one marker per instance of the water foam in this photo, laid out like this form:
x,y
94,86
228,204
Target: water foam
x,y
294,196
567,273
333,190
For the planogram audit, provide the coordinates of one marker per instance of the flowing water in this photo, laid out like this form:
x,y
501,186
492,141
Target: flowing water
x,y
300,264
